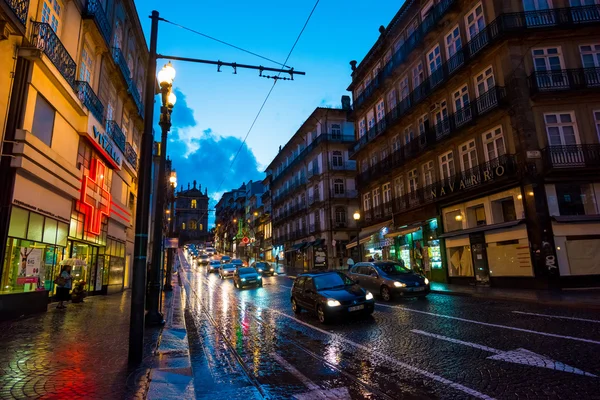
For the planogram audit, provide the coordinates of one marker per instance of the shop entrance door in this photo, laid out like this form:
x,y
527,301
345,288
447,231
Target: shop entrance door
x,y
480,264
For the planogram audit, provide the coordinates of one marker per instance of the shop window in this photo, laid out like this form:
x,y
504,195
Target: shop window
x,y
453,220
509,258
503,210
460,262
476,216
575,199
584,259
19,220
36,225
43,120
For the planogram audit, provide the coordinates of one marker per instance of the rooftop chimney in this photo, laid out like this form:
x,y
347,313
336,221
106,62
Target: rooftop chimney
x,y
353,65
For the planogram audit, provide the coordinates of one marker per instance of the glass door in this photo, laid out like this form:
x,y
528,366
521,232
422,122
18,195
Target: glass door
x,y
480,264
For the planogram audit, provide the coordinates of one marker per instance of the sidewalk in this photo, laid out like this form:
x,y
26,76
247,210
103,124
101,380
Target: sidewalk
x,y
80,352
586,298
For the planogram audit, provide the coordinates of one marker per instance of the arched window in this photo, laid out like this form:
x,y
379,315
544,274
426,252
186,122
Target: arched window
x,y
183,226
194,204
118,35
193,225
337,159
338,186
200,227
340,215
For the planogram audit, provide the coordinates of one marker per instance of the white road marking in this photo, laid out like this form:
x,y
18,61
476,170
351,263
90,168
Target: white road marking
x,y
493,325
437,378
595,321
518,356
301,377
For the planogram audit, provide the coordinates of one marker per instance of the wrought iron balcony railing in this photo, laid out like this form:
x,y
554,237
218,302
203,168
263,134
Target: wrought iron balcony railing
x,y
296,184
116,134
90,100
137,98
119,59
344,194
343,166
20,8
564,79
45,39
131,155
93,9
313,172
572,156
500,28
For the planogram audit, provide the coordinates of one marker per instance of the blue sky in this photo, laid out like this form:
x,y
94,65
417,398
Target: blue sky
x,y
215,110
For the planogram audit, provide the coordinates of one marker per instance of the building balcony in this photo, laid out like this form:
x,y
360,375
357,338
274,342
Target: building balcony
x,y
314,228
380,213
346,194
340,224
313,172
296,184
44,38
434,135
131,155
86,95
20,8
343,166
572,156
564,80
119,59
93,9
116,134
505,25
137,98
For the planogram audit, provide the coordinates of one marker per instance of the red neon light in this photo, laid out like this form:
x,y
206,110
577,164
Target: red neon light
x,y
95,197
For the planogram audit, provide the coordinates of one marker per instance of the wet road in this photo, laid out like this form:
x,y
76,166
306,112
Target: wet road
x,y
249,344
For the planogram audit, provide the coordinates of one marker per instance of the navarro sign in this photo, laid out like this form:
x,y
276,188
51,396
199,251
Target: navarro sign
x,y
469,181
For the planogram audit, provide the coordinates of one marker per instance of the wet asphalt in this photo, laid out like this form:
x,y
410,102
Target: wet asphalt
x,y
248,344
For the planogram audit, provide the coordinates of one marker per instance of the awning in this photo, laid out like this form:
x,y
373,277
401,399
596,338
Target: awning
x,y
402,232
317,242
300,246
482,228
362,241
365,234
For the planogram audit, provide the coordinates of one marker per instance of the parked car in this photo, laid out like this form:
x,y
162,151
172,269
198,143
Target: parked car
x,y
389,278
246,276
213,265
330,294
226,270
264,268
237,262
225,259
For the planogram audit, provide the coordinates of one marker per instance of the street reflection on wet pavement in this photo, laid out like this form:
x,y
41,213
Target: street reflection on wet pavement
x,y
249,344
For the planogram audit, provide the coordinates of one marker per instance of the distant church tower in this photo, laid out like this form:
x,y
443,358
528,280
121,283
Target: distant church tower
x,y
191,214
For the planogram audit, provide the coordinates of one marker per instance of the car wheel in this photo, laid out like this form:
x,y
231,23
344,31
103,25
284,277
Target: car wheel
x,y
295,307
386,295
321,314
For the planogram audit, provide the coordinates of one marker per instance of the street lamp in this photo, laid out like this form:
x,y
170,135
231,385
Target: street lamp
x,y
165,80
171,252
357,219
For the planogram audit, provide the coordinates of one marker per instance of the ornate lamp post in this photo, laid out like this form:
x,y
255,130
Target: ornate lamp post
x,y
171,252
357,219
165,79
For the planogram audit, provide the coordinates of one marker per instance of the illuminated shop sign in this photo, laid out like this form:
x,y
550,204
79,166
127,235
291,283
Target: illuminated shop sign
x,y
468,182
95,198
105,145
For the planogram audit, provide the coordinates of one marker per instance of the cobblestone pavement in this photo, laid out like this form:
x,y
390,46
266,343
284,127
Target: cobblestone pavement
x,y
77,353
438,347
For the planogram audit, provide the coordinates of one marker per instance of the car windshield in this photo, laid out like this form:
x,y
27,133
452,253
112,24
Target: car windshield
x,y
213,262
393,269
236,261
244,271
331,281
263,265
228,266
203,256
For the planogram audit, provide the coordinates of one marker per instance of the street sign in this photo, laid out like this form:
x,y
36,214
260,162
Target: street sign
x,y
534,154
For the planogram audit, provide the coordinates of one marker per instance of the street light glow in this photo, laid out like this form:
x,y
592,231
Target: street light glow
x,y
171,99
166,74
356,215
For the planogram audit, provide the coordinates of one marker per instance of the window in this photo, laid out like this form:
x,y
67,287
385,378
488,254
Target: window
x,y
461,105
125,125
399,42
493,142
384,153
447,165
317,193
130,64
367,201
418,75
597,122
118,35
503,210
404,88
376,197
336,131
387,192
474,21
396,142
399,187
86,66
534,5
43,120
364,165
200,227
110,111
51,14
374,159
380,111
413,180
340,215
183,225
476,216
484,81
426,10
423,124
362,128
194,204
337,159
590,55
193,225
453,220
434,62
391,100
468,155
409,135
370,119
442,124
387,57
427,170
548,65
576,199
338,186
453,45
561,129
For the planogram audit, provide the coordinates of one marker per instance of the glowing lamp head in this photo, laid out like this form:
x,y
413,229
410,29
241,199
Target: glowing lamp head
x,y
459,217
171,99
356,215
166,74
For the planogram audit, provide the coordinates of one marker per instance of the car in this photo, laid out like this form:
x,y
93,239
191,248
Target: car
x,y
226,270
237,262
203,259
389,278
210,251
213,265
330,294
225,259
263,267
246,276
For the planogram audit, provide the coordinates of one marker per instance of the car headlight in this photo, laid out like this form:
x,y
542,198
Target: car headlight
x,y
369,296
399,284
259,270
333,303
426,281
259,277
243,279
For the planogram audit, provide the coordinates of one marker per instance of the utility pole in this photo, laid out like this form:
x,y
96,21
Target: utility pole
x,y
138,291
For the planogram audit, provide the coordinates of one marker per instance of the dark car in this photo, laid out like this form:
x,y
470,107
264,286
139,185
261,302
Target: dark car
x,y
389,278
237,262
226,270
330,294
203,259
213,265
246,276
225,259
264,268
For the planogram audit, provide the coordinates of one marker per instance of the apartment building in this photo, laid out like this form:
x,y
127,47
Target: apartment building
x,y
477,127
72,79
312,182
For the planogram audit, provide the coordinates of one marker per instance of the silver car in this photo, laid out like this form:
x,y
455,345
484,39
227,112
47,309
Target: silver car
x,y
389,278
226,271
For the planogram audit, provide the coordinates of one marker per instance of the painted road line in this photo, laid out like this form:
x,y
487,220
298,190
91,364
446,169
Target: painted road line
x,y
493,325
291,369
437,378
595,321
517,356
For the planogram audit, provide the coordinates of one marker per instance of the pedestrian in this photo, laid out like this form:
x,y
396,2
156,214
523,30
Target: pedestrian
x,y
64,282
350,263
371,259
